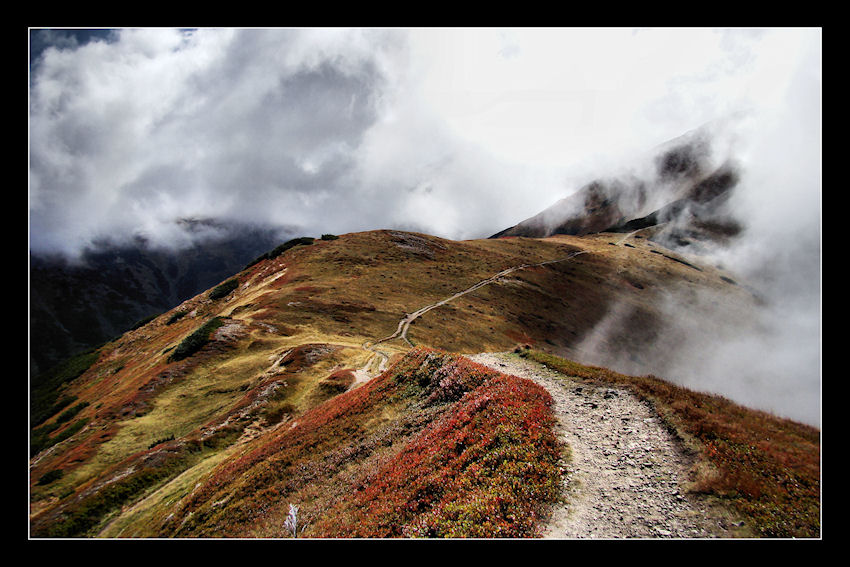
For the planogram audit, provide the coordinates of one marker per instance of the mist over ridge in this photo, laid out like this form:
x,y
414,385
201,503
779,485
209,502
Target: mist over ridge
x,y
456,133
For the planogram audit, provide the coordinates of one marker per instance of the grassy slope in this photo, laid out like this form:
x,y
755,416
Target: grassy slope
x,y
319,303
408,454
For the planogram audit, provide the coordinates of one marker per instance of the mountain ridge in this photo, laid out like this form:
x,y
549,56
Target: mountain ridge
x,y
78,304
682,190
292,335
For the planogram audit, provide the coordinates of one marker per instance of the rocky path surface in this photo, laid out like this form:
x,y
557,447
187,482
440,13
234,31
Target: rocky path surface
x,y
625,471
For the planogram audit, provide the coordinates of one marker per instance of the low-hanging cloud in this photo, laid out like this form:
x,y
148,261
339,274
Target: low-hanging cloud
x,y
454,132
307,130
770,357
128,136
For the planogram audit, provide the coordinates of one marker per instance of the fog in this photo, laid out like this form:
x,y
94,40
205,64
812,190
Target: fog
x,y
770,357
454,132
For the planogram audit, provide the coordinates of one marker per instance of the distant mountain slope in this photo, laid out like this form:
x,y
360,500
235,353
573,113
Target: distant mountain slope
x,y
75,306
684,191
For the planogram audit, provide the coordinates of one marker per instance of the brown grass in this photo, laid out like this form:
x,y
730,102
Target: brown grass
x,y
343,292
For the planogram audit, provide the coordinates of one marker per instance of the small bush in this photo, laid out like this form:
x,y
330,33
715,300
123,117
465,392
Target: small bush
x,y
40,438
303,241
276,414
145,321
329,237
277,251
163,440
194,342
45,389
69,413
176,317
338,382
63,402
224,289
50,476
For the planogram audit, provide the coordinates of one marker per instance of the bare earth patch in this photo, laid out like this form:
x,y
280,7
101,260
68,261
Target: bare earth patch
x,y
625,472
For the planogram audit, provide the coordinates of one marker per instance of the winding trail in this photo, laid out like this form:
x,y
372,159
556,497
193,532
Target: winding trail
x,y
370,369
625,472
404,324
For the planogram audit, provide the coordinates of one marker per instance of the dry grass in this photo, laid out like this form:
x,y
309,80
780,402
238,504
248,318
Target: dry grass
x,y
437,446
342,292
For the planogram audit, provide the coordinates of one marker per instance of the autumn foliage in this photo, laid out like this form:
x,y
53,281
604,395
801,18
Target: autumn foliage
x,y
469,452
485,469
766,467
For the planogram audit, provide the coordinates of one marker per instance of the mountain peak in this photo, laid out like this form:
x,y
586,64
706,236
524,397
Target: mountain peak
x,y
682,192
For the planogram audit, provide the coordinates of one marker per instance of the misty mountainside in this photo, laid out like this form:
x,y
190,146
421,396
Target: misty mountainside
x,y
681,191
78,304
330,375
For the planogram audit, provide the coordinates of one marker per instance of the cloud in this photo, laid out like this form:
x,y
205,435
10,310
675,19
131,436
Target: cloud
x,y
157,125
455,132
459,132
769,358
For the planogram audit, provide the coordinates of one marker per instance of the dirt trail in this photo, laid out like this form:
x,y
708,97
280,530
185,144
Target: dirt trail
x,y
370,369
625,471
404,324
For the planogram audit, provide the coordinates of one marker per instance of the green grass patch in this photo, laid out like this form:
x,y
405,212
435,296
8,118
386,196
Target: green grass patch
x,y
82,516
50,476
71,412
176,317
224,289
144,517
194,342
278,250
45,389
144,321
40,438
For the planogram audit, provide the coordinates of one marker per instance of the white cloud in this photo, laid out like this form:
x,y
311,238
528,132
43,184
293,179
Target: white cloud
x,y
310,126
455,132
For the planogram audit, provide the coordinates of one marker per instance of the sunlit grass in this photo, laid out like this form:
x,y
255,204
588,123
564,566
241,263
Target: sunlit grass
x,y
343,292
143,518
446,448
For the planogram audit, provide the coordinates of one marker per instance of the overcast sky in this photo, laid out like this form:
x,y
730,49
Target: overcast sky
x,y
459,133
455,132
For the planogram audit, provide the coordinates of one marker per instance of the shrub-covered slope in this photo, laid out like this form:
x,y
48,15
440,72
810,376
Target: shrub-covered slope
x,y
213,417
435,446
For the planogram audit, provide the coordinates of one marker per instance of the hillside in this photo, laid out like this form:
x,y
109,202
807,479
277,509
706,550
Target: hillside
x,y
77,305
329,374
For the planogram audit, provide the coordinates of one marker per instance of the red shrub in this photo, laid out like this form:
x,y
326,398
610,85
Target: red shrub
x,y
486,467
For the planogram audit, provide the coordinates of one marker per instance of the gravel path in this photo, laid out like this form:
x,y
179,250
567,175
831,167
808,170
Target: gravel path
x,y
625,473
